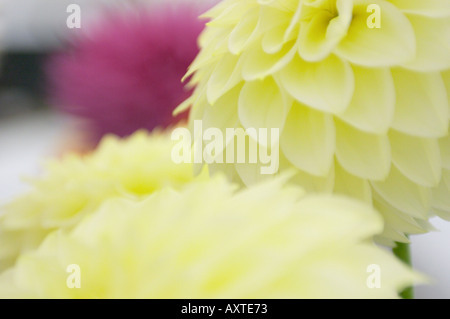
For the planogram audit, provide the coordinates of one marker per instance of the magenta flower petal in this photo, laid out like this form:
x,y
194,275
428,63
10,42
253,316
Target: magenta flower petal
x,y
125,74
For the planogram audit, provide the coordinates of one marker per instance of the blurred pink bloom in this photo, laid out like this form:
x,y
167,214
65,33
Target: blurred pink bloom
x,y
125,74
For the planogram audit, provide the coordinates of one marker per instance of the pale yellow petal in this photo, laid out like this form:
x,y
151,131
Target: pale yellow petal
x,y
362,154
273,22
326,86
441,194
433,43
226,75
421,104
273,40
432,8
324,30
372,106
310,183
308,140
404,195
244,31
257,64
223,114
391,44
417,158
444,145
402,222
262,105
351,185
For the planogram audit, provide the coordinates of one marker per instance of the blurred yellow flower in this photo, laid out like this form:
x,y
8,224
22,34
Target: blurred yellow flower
x,y
75,186
208,240
362,110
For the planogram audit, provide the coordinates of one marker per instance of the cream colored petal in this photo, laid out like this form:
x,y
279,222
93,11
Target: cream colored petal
x,y
444,145
293,28
372,107
227,169
432,8
442,214
433,43
184,106
446,78
224,113
308,140
390,237
405,195
391,44
273,40
221,8
441,194
310,183
286,5
228,14
351,185
250,173
362,154
326,86
208,55
244,31
253,169
262,105
203,59
273,23
400,221
417,158
226,75
197,111
257,64
422,107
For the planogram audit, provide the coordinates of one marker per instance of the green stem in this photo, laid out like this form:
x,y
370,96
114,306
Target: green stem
x,y
402,251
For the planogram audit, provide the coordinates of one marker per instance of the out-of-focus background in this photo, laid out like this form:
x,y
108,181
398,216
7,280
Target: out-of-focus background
x,y
32,129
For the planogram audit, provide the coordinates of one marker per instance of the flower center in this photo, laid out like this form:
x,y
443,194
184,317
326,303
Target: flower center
x,y
323,24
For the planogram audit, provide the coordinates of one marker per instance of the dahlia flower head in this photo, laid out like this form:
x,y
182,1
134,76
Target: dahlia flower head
x,y
123,73
362,111
209,240
75,186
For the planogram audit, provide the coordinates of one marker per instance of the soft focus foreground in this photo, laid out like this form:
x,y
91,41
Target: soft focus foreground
x,y
209,241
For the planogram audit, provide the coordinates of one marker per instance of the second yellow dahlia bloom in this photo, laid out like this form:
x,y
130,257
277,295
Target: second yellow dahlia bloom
x,y
210,241
363,109
76,186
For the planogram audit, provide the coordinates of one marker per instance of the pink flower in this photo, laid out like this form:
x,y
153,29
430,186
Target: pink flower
x,y
125,74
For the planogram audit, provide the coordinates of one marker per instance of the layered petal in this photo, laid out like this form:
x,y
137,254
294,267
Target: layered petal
x,y
308,140
421,104
235,247
417,158
432,42
262,105
404,195
370,82
372,106
431,8
322,29
76,186
362,154
326,86
391,44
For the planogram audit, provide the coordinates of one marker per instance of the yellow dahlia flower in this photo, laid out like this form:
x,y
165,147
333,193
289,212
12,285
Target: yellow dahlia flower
x,y
76,186
359,89
209,241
